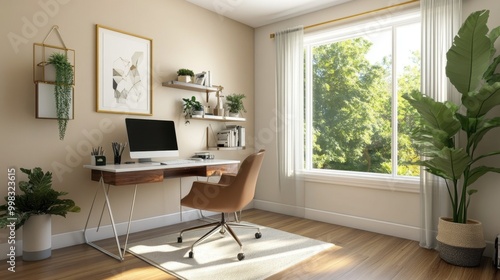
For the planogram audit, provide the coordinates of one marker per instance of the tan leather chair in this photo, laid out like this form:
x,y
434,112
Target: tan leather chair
x,y
230,194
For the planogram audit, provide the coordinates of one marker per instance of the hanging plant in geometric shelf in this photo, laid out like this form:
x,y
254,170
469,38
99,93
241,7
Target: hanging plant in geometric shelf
x,y
63,89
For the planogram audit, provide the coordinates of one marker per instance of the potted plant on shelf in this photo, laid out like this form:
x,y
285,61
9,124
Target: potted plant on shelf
x,y
471,69
235,104
192,107
32,210
63,89
184,75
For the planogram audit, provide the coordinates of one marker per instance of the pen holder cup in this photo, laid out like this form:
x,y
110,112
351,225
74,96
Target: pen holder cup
x,y
118,160
100,160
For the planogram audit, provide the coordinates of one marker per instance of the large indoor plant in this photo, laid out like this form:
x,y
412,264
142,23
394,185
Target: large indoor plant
x,y
63,89
449,136
37,202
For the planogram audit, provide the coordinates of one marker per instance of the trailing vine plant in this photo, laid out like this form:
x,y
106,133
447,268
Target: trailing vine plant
x,y
63,88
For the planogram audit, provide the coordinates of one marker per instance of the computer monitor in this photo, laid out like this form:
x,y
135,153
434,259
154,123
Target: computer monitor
x,y
151,139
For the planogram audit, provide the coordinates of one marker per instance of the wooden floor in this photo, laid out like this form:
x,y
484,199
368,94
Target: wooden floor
x,y
357,254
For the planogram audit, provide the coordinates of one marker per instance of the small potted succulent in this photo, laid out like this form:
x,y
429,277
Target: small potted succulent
x,y
192,106
184,75
235,104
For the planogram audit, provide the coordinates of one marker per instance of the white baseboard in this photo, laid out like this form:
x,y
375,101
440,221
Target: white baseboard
x,y
378,226
76,237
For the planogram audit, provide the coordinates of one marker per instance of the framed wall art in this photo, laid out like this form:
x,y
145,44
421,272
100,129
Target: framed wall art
x,y
124,72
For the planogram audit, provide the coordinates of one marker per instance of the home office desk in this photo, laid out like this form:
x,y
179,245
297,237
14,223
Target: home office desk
x,y
142,173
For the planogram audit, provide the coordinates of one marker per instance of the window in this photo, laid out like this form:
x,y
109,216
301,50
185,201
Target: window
x,y
356,118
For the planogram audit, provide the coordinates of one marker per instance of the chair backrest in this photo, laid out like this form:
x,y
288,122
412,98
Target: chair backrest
x,y
242,190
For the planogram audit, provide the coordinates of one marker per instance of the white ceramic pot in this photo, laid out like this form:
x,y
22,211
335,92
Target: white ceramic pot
x,y
185,79
37,238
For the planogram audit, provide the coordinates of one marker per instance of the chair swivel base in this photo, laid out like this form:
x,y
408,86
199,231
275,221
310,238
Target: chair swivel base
x,y
221,227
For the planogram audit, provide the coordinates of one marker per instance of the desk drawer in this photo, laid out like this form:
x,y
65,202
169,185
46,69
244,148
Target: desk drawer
x,y
128,178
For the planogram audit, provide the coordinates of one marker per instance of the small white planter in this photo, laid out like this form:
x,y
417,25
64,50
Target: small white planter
x,y
37,238
184,79
234,115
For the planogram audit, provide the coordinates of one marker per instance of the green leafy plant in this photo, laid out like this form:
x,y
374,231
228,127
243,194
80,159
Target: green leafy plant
x,y
63,88
185,72
38,198
190,105
471,69
235,103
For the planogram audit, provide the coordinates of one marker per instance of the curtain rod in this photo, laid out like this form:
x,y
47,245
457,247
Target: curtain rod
x,y
272,35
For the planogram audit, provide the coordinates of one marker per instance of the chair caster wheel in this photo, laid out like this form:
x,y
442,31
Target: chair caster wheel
x,y
179,239
191,254
241,256
258,235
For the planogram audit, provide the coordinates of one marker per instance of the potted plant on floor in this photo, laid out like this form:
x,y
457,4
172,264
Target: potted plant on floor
x,y
32,210
192,107
471,69
63,89
184,75
235,104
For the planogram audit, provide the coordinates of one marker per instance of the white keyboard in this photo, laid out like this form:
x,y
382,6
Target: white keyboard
x,y
177,161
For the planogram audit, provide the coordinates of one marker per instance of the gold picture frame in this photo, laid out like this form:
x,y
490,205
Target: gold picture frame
x,y
124,72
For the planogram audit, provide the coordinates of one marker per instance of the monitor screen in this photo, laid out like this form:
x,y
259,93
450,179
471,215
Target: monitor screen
x,y
151,139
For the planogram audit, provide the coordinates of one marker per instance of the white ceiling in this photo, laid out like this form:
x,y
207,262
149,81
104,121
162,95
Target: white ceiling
x,y
257,13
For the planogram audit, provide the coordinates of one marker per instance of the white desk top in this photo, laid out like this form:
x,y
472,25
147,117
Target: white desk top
x,y
116,168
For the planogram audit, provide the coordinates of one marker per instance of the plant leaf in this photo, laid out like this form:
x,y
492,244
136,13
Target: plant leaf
x,y
448,163
479,171
483,127
437,115
490,75
481,102
469,56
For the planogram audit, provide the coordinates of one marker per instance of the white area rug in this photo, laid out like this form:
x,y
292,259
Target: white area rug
x,y
216,258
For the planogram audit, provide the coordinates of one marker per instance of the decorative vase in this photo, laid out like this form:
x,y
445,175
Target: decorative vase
x,y
460,244
184,79
37,238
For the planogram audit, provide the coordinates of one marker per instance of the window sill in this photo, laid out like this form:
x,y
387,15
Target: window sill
x,y
360,180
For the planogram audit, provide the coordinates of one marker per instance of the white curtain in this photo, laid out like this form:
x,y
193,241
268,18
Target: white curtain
x,y
289,103
441,20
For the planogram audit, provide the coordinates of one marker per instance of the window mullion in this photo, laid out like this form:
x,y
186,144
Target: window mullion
x,y
394,142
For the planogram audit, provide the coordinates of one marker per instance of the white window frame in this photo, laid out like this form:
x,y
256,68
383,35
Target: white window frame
x,y
353,178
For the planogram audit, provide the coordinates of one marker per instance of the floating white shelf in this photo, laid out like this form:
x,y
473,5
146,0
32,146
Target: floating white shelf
x,y
189,86
217,118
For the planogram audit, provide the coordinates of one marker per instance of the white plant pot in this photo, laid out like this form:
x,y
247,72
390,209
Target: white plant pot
x,y
197,113
37,238
234,115
184,79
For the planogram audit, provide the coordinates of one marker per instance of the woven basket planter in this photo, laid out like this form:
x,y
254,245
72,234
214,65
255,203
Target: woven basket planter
x,y
461,244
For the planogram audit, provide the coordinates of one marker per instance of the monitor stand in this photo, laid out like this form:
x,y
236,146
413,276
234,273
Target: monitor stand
x,y
145,160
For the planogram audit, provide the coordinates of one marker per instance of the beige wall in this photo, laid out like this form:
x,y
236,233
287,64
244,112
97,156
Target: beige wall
x,y
387,208
184,36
